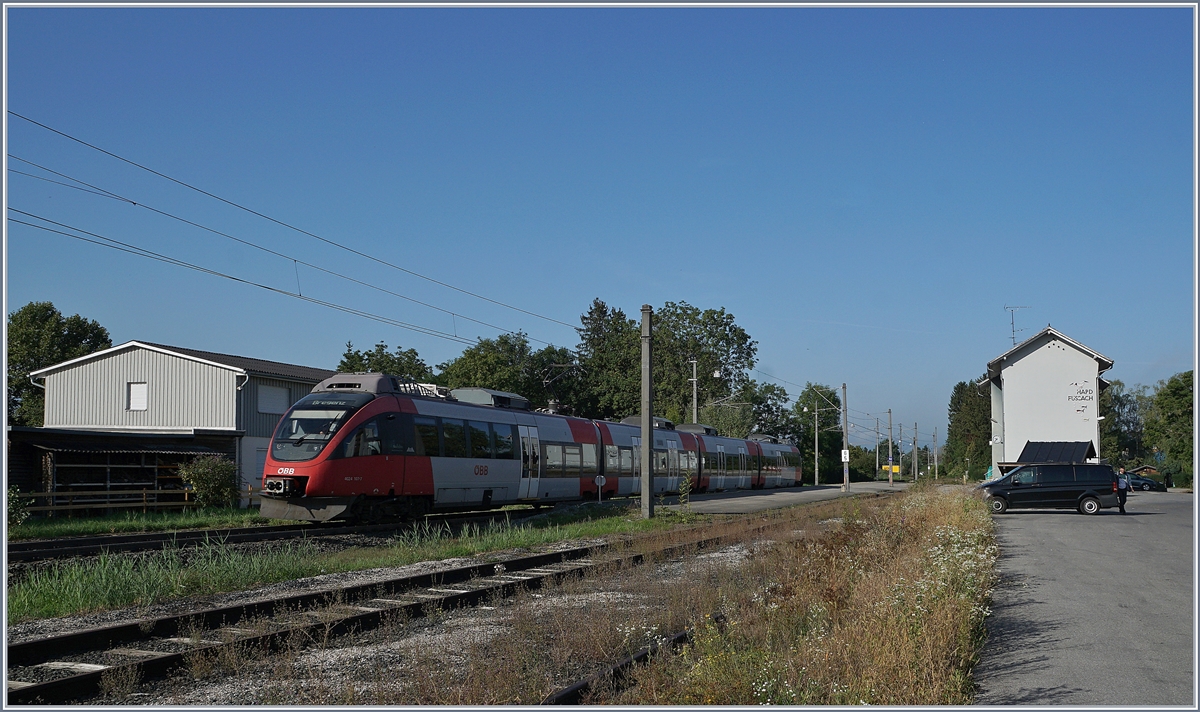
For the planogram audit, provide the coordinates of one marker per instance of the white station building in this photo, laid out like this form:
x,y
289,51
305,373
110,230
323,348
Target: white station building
x,y
1045,390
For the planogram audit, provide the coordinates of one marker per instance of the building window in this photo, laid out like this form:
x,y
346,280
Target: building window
x,y
135,396
273,400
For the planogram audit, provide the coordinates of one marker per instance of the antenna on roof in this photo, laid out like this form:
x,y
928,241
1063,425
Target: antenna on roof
x,y
1012,318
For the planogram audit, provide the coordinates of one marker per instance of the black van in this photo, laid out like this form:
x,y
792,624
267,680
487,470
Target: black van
x,y
1087,488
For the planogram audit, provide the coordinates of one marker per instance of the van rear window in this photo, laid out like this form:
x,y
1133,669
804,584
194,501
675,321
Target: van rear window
x,y
1093,473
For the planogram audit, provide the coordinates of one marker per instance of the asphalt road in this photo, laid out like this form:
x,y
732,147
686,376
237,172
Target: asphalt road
x,y
748,501
1093,610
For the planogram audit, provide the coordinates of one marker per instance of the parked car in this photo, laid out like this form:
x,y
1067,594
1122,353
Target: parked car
x,y
1088,488
1145,484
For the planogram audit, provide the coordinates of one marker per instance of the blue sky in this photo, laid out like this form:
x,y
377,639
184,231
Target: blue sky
x,y
864,189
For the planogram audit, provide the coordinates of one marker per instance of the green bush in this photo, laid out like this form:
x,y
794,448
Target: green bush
x,y
18,509
213,479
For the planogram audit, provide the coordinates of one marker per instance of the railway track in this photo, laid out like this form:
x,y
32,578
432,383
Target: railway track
x,y
46,549
73,666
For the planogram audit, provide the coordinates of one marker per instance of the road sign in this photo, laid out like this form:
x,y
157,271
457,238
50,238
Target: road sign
x,y
845,456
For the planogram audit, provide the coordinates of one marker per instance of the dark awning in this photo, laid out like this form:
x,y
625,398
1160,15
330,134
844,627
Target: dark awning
x,y
126,450
1057,452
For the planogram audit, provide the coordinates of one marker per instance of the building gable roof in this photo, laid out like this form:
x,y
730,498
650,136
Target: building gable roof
x,y
994,366
241,364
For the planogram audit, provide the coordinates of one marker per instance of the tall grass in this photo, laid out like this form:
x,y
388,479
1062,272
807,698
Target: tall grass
x,y
108,582
133,522
889,609
876,601
111,581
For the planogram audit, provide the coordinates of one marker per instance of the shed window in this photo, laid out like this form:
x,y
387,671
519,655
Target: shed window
x,y
135,396
273,400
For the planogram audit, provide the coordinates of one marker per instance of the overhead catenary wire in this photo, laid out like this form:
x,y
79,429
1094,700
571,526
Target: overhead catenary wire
x,y
105,193
287,225
120,246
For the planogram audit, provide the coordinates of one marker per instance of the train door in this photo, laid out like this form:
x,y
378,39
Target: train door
x,y
531,465
720,467
672,466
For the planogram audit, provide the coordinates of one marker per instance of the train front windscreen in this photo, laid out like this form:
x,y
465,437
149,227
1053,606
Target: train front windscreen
x,y
312,422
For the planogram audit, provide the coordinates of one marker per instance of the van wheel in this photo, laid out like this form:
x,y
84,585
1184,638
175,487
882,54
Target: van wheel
x,y
998,505
1089,505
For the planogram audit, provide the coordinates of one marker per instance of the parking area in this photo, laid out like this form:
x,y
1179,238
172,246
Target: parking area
x,y
1093,610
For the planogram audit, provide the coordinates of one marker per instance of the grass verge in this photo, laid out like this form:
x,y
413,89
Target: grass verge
x,y
136,522
108,582
889,609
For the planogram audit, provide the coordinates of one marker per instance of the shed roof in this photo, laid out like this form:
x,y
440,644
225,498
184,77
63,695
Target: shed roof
x,y
241,364
256,366
994,366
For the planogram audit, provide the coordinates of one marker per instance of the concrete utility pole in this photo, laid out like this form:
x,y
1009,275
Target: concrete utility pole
x,y
900,446
695,418
647,417
890,484
845,444
876,449
916,454
816,445
935,457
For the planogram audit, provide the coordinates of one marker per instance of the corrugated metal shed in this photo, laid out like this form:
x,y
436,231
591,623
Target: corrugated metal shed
x,y
180,393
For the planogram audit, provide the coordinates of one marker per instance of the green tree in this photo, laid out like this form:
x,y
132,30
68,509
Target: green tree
x,y
401,362
825,402
969,434
507,363
39,336
610,354
724,352
1121,431
735,420
1168,425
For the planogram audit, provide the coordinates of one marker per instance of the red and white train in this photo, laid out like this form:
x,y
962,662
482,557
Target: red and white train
x,y
370,446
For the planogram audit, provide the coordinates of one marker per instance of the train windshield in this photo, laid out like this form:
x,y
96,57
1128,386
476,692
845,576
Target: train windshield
x,y
310,424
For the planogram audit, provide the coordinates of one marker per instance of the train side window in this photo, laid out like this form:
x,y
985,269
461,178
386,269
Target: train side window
x,y
504,440
660,462
554,461
396,429
481,444
571,460
589,460
626,461
612,459
426,442
454,438
363,441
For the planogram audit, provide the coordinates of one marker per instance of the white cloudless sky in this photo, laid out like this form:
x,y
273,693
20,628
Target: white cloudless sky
x,y
864,189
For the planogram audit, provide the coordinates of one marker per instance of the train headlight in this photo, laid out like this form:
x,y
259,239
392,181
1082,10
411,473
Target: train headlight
x,y
281,487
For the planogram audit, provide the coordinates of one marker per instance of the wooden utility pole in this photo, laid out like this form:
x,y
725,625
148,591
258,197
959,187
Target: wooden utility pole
x,y
647,417
845,444
890,483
